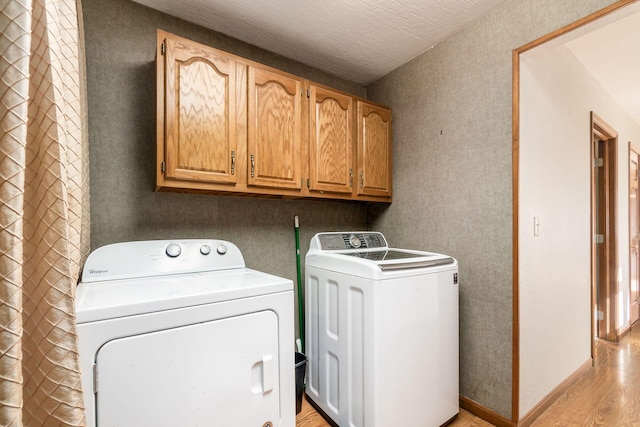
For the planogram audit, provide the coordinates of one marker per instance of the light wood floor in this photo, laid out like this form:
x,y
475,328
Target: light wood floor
x,y
308,417
607,395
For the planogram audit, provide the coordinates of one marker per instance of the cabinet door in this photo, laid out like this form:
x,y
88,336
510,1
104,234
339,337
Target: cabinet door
x,y
374,150
200,113
331,116
274,129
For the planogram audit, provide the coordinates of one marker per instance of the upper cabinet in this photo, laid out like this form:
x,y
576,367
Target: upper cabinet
x,y
230,125
331,140
275,129
374,150
199,114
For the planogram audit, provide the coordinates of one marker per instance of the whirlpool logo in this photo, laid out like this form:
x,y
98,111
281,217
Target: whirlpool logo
x,y
97,271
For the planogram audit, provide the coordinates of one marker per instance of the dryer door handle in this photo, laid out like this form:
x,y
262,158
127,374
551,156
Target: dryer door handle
x,y
267,373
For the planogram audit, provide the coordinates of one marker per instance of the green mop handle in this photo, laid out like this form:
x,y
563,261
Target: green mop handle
x,y
300,304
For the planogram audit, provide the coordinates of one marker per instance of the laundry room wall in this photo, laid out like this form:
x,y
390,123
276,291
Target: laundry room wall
x,y
453,174
120,48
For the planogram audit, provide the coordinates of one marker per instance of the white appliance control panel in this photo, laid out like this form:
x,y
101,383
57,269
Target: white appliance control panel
x,y
160,257
354,240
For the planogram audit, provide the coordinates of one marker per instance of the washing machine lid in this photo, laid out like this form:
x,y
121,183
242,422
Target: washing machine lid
x,y
398,259
366,254
127,297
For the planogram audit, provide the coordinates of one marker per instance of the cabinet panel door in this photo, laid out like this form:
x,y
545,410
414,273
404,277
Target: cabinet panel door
x,y
200,122
374,150
274,129
331,116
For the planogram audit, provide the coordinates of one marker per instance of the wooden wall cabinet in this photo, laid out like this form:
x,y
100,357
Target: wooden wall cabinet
x,y
230,125
374,150
331,141
199,114
275,129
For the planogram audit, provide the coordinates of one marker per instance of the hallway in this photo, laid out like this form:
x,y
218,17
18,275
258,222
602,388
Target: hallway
x,y
607,395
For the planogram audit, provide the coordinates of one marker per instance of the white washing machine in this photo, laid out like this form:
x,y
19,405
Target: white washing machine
x,y
180,333
381,332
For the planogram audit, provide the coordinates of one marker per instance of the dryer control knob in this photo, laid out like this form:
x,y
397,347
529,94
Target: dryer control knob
x,y
205,249
222,249
173,250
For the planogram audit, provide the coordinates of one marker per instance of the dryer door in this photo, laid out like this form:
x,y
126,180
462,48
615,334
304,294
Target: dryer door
x,y
217,373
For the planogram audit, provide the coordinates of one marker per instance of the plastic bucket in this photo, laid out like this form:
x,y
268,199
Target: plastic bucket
x,y
301,370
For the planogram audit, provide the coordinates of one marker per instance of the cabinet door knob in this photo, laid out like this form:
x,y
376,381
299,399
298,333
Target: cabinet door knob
x,y
253,165
233,162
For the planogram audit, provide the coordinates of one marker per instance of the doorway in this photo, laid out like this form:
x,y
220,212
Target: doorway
x,y
604,253
634,236
583,334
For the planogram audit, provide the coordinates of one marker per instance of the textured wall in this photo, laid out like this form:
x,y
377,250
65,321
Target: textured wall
x,y
120,44
452,174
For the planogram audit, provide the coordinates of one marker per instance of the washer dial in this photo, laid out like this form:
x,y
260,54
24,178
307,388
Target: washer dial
x,y
355,241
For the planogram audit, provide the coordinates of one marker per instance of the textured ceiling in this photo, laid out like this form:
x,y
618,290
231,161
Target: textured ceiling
x,y
358,40
363,40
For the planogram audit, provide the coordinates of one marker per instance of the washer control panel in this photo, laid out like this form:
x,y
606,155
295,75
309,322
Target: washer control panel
x,y
353,240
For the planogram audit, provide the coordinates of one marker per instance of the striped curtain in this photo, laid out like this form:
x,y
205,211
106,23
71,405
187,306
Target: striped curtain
x,y
44,235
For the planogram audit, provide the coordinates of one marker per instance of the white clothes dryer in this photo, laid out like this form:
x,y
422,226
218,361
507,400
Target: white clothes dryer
x,y
381,332
180,333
